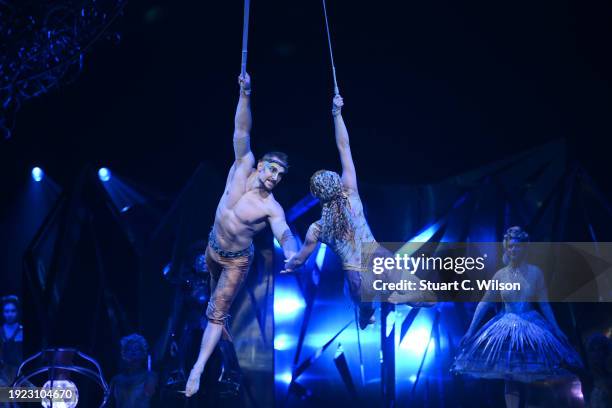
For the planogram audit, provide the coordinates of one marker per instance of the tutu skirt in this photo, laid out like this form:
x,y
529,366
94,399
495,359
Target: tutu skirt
x,y
517,347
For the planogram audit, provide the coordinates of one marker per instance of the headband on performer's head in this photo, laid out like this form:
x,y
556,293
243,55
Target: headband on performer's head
x,y
280,163
279,158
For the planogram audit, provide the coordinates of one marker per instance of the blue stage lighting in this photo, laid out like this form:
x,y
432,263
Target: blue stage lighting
x,y
321,256
426,234
104,174
37,174
284,377
287,304
167,269
417,340
283,342
390,323
276,244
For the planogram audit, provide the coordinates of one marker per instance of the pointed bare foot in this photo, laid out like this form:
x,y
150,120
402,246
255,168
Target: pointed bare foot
x,y
193,383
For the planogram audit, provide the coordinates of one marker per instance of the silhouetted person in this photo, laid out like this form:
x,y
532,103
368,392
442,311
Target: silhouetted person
x,y
599,355
135,386
11,340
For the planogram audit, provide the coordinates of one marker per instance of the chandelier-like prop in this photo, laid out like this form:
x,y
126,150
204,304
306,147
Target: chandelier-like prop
x,y
43,44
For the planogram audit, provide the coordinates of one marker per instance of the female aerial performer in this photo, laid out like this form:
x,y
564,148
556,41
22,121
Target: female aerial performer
x,y
343,227
520,344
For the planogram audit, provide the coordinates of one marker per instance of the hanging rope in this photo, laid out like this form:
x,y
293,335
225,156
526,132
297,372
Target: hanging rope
x,y
245,36
331,54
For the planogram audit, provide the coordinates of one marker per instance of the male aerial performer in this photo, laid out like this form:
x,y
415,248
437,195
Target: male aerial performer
x,y
244,209
344,228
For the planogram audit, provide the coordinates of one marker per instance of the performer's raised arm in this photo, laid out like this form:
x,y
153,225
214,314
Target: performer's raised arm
x,y
282,232
349,176
242,124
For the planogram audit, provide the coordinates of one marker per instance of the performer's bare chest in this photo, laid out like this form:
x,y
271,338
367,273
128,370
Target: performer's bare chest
x,y
248,210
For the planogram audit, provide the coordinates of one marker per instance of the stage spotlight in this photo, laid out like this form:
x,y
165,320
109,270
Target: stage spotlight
x,y
104,174
167,269
37,174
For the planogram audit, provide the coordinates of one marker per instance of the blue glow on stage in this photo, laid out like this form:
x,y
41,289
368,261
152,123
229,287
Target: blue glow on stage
x,y
124,196
301,207
284,342
37,174
283,377
167,269
390,323
417,347
276,244
104,174
288,303
321,256
428,232
416,341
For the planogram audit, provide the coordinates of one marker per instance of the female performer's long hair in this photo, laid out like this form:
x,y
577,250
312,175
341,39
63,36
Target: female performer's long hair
x,y
335,217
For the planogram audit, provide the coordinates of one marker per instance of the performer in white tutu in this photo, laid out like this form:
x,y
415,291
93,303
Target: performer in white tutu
x,y
521,344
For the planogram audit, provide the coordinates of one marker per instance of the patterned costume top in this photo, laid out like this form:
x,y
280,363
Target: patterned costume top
x,y
349,250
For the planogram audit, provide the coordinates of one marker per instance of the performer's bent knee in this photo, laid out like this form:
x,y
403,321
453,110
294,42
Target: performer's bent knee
x,y
216,315
216,321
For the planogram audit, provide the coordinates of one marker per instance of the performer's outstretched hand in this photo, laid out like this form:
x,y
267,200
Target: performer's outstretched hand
x,y
245,83
289,265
